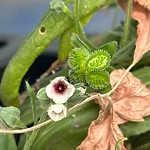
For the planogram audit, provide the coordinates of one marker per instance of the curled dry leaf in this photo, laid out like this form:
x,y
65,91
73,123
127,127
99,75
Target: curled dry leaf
x,y
145,3
130,102
141,13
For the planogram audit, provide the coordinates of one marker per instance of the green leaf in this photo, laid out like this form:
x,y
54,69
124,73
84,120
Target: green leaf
x,y
77,42
7,142
140,142
11,117
97,80
123,57
110,47
41,94
32,100
26,113
98,61
77,59
139,127
68,133
76,77
143,75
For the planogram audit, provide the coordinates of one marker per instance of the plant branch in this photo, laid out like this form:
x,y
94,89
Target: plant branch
x,y
127,24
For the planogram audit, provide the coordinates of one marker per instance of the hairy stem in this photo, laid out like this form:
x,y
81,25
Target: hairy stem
x,y
33,135
127,24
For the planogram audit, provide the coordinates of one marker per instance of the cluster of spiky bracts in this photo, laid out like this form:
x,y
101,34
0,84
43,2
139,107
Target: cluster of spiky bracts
x,y
91,68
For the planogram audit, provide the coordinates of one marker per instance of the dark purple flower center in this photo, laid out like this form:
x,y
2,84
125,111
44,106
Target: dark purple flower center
x,y
60,87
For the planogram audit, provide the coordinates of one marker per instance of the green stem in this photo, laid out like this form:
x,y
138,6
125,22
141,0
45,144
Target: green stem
x,y
33,135
79,27
127,23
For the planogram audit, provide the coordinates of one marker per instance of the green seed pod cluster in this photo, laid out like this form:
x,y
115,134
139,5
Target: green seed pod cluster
x,y
94,68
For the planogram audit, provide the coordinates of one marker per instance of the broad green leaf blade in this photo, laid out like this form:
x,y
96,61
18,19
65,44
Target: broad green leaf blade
x,y
110,47
141,142
143,74
139,127
32,101
7,142
50,27
11,117
68,133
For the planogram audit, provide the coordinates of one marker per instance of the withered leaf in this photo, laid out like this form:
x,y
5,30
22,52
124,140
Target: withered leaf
x,y
131,99
141,13
130,102
102,134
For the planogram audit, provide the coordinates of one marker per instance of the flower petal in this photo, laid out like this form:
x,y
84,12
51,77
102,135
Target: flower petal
x,y
57,112
59,90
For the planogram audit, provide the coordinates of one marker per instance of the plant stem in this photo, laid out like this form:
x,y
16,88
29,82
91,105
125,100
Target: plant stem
x,y
127,23
31,138
79,27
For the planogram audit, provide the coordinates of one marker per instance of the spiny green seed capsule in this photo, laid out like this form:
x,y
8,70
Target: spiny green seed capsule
x,y
98,61
76,77
97,80
76,59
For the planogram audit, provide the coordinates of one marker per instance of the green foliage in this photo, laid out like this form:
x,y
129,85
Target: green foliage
x,y
77,59
45,101
98,80
110,47
98,61
32,100
41,94
7,142
10,117
91,67
68,133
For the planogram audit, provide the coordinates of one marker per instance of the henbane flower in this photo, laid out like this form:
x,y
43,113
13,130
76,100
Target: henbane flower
x,y
57,112
59,90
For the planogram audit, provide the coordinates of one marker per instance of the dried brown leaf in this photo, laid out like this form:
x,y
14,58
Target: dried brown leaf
x,y
141,13
102,135
145,3
130,102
